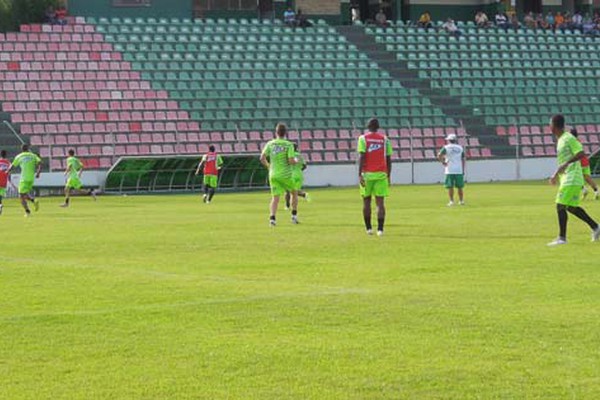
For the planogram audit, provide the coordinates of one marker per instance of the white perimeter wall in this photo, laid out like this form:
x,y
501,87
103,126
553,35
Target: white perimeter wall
x,y
402,173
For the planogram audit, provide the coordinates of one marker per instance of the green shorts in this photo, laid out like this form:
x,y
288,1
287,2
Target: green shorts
x,y
569,195
3,192
298,182
211,181
586,170
454,181
74,183
375,187
280,186
25,186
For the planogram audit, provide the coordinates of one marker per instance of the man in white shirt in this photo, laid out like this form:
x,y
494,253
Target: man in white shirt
x,y
452,156
450,27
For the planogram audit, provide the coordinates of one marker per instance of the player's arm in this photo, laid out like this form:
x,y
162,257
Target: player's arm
x,y
39,167
464,162
263,157
200,164
362,149
292,160
81,167
442,156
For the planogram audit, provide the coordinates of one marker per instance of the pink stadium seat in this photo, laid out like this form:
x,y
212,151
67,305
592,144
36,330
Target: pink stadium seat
x,y
330,157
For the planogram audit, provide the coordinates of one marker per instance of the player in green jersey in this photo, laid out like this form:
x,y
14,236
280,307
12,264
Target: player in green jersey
x,y
73,174
278,157
569,154
297,177
31,166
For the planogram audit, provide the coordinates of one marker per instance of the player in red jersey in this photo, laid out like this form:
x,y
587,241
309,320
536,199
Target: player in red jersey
x,y
374,170
212,163
587,172
4,176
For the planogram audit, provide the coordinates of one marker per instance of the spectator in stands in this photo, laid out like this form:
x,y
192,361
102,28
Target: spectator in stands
x,y
61,15
577,22
502,21
550,21
482,20
425,21
589,27
514,22
559,21
301,20
289,17
381,19
355,12
529,21
541,22
50,16
450,27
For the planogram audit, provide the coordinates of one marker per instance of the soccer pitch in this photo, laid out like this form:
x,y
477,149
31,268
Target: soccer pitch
x,y
163,297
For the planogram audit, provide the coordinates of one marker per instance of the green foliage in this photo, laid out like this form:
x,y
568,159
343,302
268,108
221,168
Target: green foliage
x,y
163,297
16,12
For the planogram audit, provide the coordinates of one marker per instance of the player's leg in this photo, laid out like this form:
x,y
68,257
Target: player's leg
x,y
584,216
212,186
449,185
2,194
288,197
460,185
24,198
294,203
380,202
367,214
273,209
67,197
26,194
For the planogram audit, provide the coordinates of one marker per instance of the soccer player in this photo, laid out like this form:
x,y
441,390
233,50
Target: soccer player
x,y
374,171
587,172
278,157
4,176
452,156
74,185
569,154
297,177
31,167
212,163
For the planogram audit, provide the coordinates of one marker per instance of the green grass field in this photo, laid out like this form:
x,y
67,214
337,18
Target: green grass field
x,y
163,297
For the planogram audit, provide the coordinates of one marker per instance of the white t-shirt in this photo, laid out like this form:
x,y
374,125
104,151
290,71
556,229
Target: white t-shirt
x,y
454,154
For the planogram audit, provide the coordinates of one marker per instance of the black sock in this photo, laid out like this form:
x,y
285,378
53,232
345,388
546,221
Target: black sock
x,y
562,221
294,212
32,199
211,193
272,218
380,222
67,200
582,215
368,223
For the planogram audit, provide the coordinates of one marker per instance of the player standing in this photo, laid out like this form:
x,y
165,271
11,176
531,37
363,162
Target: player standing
x,y
297,177
74,185
374,171
212,164
4,176
587,172
31,166
278,157
569,154
452,156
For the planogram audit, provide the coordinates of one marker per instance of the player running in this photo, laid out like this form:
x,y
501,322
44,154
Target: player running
x,y
587,172
374,171
212,163
278,156
569,154
31,167
4,176
74,185
452,156
297,177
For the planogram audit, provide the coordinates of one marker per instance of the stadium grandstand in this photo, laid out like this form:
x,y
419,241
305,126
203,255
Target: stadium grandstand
x,y
156,79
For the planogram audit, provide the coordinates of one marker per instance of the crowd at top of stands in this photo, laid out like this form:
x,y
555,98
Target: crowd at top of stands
x,y
584,23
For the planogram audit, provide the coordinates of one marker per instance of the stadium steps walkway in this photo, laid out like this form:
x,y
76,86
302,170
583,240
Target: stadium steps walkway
x,y
450,105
